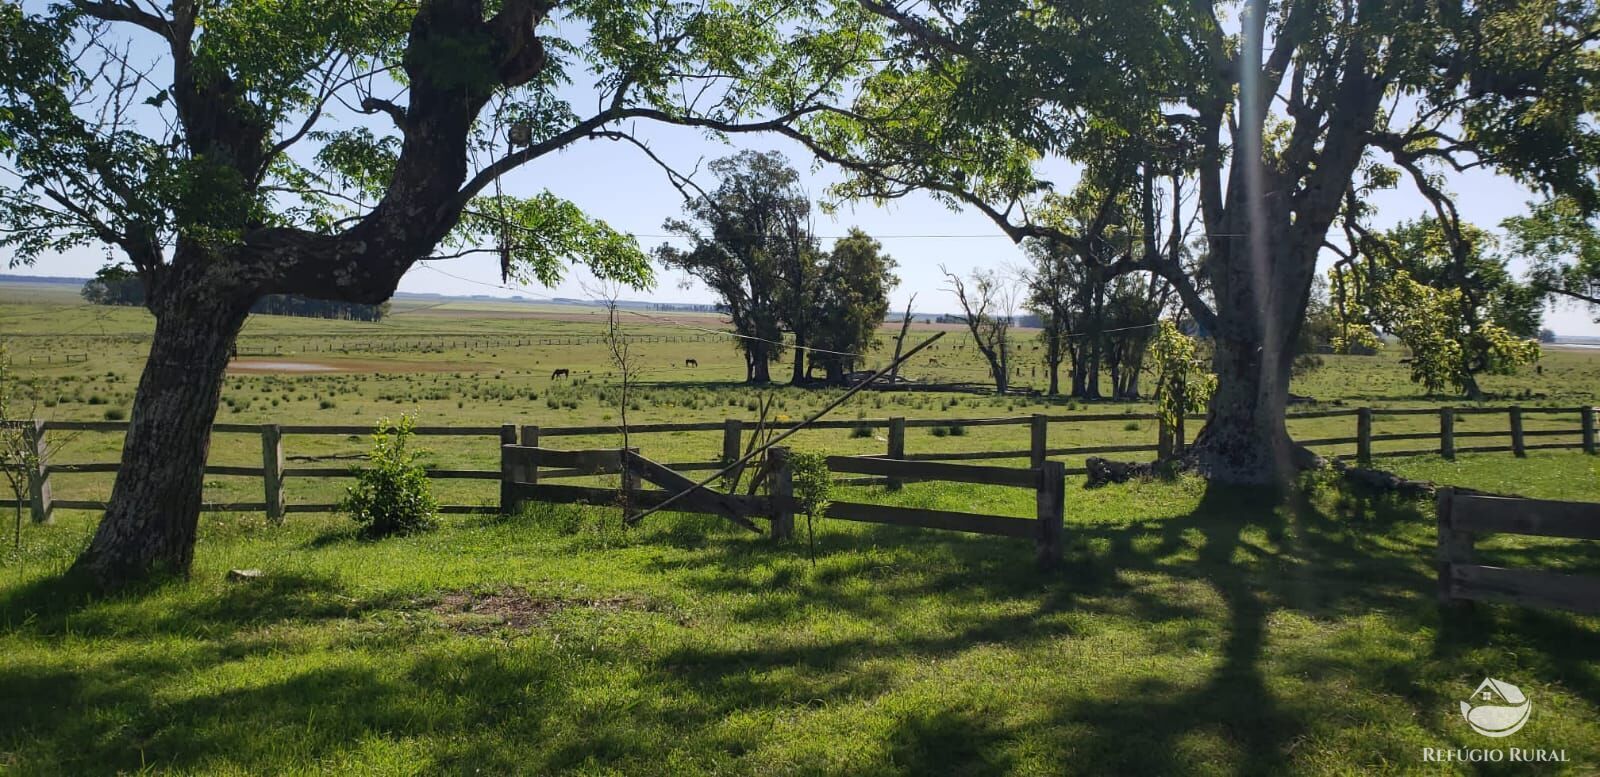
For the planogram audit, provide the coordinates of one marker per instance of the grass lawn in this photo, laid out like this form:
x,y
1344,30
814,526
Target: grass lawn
x,y
1192,630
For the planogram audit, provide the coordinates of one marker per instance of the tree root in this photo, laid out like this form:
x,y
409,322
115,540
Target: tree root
x,y
1383,480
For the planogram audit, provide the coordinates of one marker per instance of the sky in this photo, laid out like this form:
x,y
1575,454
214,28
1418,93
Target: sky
x,y
615,182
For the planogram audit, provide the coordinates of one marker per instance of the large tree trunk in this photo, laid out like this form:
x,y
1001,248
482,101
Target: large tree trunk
x,y
1244,439
760,366
1053,356
798,376
1260,305
149,526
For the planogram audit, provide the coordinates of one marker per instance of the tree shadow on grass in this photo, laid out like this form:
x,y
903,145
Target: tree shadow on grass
x,y
1332,559
537,704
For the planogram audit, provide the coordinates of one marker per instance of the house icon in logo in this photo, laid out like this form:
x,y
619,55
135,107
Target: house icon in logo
x,y
1496,709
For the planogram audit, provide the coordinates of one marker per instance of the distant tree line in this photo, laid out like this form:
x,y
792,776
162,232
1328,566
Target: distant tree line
x,y
117,285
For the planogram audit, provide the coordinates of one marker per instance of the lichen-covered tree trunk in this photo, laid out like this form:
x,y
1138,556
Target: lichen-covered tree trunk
x,y
149,526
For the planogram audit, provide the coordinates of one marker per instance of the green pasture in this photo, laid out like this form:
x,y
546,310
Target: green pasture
x,y
1192,630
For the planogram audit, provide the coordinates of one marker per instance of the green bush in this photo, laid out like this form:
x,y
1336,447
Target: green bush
x,y
392,495
813,491
858,432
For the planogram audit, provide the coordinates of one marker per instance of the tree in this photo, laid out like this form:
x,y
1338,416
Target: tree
x,y
1183,384
750,243
231,150
850,302
1279,118
1453,304
1128,322
987,308
1563,244
1053,281
114,284
900,339
620,348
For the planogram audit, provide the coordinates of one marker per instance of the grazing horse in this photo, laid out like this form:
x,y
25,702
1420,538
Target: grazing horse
x,y
561,373
690,363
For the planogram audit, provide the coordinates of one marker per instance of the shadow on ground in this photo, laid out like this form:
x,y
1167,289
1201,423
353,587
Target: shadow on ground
x,y
308,673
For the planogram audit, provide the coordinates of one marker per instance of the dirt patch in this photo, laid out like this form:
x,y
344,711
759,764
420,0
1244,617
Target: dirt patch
x,y
332,366
517,610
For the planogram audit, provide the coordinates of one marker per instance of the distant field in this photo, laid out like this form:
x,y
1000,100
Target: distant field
x,y
475,363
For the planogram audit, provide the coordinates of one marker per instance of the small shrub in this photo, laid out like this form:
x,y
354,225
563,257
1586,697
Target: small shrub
x,y
813,490
115,414
1131,426
939,431
860,432
326,404
392,495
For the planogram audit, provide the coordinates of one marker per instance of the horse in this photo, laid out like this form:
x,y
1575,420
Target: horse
x,y
690,363
561,373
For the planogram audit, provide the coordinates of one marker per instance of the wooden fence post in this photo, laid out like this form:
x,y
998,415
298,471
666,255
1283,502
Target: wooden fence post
x,y
508,492
897,447
1050,498
1455,547
529,471
1364,435
782,492
1447,432
272,470
630,481
39,501
1588,430
1039,428
1518,446
732,429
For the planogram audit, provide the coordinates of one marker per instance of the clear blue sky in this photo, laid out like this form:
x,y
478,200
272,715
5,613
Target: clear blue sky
x,y
615,182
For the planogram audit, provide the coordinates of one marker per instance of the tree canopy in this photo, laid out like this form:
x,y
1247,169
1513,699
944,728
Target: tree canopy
x,y
236,149
744,237
1274,113
1456,307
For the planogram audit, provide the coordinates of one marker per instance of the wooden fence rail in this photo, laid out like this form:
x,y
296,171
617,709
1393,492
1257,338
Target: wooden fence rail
x,y
274,471
523,465
1462,517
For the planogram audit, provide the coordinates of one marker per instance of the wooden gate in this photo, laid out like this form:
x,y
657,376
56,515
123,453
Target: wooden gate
x,y
522,465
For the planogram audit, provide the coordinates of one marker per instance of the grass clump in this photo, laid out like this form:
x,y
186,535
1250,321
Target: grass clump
x,y
392,495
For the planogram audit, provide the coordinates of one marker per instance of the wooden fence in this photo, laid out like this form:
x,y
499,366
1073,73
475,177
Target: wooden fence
x,y
524,481
273,470
1462,517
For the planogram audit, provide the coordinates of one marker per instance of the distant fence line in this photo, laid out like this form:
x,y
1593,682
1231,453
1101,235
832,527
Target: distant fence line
x,y
51,358
274,471
485,341
382,343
